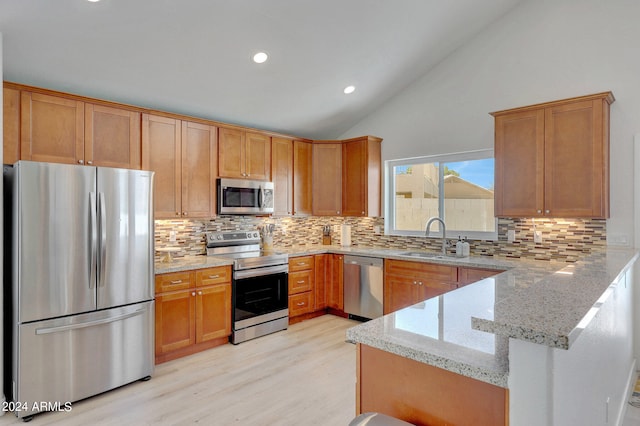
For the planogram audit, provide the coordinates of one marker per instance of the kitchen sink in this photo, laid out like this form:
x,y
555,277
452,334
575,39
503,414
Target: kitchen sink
x,y
421,254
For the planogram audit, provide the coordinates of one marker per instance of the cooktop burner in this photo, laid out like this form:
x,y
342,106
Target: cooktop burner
x,y
244,248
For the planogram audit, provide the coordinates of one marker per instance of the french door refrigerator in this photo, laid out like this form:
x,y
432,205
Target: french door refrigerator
x,y
82,282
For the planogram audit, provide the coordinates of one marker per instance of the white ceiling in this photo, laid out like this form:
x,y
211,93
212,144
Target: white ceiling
x,y
193,56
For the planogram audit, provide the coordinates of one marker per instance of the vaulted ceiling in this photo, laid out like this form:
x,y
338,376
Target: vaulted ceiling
x,y
194,56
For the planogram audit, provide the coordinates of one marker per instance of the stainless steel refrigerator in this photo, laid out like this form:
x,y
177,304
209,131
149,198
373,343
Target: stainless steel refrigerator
x,y
82,281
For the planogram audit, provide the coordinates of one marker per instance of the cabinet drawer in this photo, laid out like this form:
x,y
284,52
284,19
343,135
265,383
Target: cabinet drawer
x,y
300,281
173,281
300,263
209,276
300,303
433,271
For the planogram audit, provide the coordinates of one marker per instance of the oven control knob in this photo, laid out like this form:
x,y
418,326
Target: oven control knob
x,y
219,237
255,235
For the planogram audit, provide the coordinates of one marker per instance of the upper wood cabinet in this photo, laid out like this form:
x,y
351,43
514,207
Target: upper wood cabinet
x,y
552,159
62,130
244,155
182,155
282,175
361,177
347,177
302,178
327,179
112,137
11,119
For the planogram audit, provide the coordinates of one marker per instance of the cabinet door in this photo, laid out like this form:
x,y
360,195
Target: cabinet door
x,y
213,312
111,137
161,152
576,160
258,156
175,321
51,129
428,288
11,125
231,153
302,178
321,280
519,164
198,171
399,292
354,178
327,179
282,176
335,289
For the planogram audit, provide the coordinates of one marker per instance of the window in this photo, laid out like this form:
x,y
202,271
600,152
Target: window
x,y
457,188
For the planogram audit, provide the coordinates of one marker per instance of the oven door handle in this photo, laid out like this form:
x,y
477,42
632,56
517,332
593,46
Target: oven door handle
x,y
259,272
261,197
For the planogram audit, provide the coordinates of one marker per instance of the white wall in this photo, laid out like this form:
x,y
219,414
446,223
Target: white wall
x,y
541,51
585,385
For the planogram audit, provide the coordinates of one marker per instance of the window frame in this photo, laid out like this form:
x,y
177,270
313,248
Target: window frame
x,y
390,199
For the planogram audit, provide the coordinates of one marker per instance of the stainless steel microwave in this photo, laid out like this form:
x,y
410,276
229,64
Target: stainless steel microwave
x,y
240,196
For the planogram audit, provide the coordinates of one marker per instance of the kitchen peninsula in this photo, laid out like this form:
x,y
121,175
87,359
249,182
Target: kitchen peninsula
x,y
517,348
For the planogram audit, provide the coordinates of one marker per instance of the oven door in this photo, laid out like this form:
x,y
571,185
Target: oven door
x,y
260,295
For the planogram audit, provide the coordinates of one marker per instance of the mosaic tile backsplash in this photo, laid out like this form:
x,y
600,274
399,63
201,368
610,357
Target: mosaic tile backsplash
x,y
563,239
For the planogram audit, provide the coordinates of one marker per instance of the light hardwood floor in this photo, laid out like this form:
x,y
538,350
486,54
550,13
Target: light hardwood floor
x,y
303,375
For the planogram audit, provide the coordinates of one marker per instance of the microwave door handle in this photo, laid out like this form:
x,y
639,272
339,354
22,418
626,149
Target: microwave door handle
x,y
261,197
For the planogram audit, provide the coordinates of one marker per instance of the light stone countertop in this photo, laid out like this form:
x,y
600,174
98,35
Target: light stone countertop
x,y
466,331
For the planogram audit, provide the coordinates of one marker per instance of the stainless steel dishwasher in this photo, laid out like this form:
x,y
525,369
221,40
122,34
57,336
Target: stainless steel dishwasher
x,y
363,286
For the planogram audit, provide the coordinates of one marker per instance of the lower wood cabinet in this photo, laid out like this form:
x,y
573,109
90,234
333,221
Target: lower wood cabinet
x,y
301,285
407,283
471,275
193,311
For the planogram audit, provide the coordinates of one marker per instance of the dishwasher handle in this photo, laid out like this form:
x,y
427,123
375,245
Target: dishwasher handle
x,y
363,261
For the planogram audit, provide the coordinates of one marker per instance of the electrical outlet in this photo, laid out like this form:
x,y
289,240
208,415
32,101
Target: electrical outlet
x,y
511,235
377,230
537,237
618,240
172,236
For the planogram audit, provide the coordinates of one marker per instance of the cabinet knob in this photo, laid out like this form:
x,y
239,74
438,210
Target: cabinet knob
x,y
419,282
193,293
538,211
338,212
80,161
184,213
89,162
177,213
547,212
414,283
200,293
363,213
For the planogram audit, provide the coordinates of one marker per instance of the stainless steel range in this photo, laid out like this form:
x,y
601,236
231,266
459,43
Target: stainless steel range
x,y
260,293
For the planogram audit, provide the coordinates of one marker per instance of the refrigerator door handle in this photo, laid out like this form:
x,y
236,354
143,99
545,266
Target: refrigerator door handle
x,y
93,246
59,329
103,239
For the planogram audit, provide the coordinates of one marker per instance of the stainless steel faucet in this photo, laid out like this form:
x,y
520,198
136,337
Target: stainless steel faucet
x,y
444,232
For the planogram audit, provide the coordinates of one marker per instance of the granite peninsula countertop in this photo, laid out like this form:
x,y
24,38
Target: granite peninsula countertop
x,y
466,331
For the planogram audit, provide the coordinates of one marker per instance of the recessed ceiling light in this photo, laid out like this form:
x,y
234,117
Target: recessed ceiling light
x,y
93,1
349,89
260,57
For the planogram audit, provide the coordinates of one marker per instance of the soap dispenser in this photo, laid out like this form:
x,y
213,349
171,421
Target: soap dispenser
x,y
459,247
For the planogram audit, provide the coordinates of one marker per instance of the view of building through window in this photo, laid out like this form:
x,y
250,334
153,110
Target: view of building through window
x,y
460,192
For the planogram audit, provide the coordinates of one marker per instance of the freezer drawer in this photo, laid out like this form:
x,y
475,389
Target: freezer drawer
x,y
72,358
363,286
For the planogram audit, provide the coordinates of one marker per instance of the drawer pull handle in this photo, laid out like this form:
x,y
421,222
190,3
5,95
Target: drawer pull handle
x,y
173,282
301,304
302,263
300,282
213,277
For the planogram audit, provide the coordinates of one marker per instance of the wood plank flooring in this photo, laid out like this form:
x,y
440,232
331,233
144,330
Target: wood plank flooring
x,y
303,375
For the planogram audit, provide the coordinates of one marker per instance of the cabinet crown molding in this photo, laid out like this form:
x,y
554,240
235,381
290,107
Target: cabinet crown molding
x,y
607,96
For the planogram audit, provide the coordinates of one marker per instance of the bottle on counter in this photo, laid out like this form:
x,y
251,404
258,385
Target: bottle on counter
x,y
459,247
466,248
